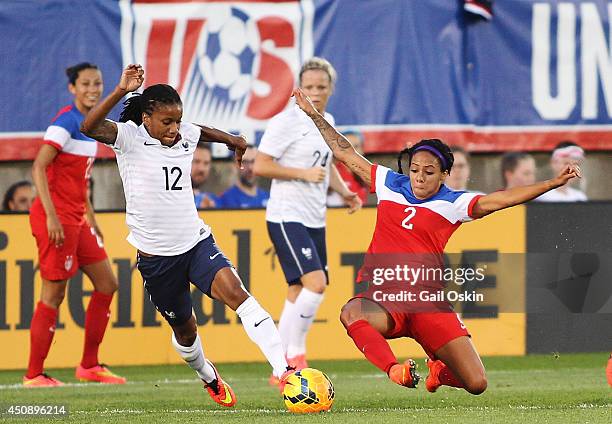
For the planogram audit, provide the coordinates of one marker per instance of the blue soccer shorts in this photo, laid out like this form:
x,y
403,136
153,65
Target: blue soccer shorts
x,y
167,278
300,249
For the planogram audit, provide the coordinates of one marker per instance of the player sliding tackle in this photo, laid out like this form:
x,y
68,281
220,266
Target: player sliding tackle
x,y
154,153
434,212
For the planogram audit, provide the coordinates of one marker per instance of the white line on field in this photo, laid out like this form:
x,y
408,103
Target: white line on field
x,y
19,386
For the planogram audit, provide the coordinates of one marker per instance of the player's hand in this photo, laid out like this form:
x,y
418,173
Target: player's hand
x,y
132,78
353,202
55,230
569,172
316,174
238,145
98,231
304,102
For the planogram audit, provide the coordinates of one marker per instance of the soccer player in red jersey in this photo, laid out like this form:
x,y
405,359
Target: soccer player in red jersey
x,y
66,233
417,214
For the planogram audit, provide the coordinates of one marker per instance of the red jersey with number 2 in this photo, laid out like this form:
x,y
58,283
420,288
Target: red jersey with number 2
x,y
405,224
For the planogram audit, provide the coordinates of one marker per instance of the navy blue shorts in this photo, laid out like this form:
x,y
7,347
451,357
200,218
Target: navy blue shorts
x,y
300,249
167,278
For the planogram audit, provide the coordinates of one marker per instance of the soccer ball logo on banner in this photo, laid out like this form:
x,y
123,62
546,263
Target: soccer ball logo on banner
x,y
233,65
228,56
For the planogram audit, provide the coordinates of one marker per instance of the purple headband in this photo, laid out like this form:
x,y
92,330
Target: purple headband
x,y
435,152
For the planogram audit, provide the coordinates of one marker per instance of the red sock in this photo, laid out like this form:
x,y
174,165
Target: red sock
x,y
372,344
446,377
96,319
42,329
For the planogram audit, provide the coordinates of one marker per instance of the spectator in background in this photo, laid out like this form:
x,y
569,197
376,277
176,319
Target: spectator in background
x,y
200,170
565,153
353,182
245,193
458,179
518,169
19,197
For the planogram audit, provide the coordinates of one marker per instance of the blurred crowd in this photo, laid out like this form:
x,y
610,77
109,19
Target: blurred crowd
x,y
517,169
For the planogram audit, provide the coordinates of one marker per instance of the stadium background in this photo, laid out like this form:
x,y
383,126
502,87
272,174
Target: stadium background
x,y
533,75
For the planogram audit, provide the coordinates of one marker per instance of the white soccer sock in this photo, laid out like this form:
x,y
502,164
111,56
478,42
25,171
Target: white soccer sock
x,y
194,356
304,311
286,323
260,328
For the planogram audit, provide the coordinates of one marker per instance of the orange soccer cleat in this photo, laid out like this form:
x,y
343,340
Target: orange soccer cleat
x,y
609,371
298,362
219,390
405,374
432,383
273,380
41,380
99,374
283,379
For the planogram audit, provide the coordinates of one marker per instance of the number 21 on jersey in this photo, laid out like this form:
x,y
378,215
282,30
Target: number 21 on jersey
x,y
411,211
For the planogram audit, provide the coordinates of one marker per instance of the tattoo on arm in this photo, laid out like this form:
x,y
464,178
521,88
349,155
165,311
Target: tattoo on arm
x,y
339,145
334,140
105,133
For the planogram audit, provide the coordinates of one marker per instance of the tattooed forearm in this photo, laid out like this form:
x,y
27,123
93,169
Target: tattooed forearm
x,y
343,150
333,139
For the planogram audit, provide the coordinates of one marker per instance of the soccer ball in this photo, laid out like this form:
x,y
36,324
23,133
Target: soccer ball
x,y
229,53
308,390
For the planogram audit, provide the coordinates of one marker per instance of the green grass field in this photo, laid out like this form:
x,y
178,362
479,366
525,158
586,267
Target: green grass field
x,y
537,388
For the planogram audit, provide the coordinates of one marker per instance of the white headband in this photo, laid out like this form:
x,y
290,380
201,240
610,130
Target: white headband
x,y
574,152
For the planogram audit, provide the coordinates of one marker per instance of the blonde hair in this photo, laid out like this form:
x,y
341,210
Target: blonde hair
x,y
319,64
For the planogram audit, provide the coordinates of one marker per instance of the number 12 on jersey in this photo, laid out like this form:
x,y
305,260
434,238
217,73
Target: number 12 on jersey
x,y
170,173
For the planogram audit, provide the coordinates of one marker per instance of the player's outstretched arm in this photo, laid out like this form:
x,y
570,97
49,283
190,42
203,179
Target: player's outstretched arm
x,y
95,124
515,196
236,143
342,149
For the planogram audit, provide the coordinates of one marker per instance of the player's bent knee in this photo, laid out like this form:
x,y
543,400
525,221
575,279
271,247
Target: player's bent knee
x,y
477,385
54,299
350,313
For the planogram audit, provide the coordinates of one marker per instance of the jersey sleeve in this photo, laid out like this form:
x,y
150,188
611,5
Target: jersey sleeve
x,y
464,205
190,132
126,133
276,139
378,176
60,131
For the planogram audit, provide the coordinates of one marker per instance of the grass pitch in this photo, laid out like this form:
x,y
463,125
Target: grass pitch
x,y
570,388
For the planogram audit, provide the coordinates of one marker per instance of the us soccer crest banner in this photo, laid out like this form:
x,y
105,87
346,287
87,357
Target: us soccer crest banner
x,y
537,72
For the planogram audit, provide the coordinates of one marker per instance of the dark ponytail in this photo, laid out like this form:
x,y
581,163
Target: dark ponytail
x,y
132,109
137,104
434,146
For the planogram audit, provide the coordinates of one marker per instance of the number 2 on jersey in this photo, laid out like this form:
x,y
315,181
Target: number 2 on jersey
x,y
411,213
168,174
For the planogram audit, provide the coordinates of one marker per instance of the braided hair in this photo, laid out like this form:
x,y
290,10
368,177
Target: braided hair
x,y
151,97
433,145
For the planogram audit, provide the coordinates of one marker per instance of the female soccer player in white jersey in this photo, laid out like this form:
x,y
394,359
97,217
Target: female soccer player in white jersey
x,y
294,155
154,153
417,214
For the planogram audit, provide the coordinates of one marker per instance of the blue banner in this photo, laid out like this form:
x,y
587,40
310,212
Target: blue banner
x,y
536,73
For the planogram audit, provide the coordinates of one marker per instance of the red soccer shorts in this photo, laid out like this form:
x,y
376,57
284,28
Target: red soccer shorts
x,y
431,330
81,247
